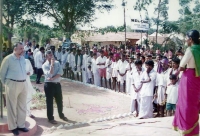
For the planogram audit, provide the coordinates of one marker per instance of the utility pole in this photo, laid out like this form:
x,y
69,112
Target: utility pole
x,y
124,5
1,55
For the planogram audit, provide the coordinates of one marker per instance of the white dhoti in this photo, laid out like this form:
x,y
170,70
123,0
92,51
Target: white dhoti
x,y
135,96
121,79
96,78
132,108
161,94
108,74
146,107
128,82
30,92
84,77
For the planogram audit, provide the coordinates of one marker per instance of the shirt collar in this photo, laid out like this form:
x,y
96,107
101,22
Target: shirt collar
x,y
13,55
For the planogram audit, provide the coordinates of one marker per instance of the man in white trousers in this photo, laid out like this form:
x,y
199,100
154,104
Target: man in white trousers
x,y
31,90
13,77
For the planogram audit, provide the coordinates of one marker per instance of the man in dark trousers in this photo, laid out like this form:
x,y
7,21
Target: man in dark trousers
x,y
39,60
52,87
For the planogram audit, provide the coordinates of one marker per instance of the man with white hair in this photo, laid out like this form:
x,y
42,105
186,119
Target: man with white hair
x,y
13,77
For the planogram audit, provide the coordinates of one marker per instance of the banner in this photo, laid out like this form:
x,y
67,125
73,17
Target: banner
x,y
139,24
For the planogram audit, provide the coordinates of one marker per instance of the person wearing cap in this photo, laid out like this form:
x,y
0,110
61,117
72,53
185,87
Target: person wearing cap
x,y
13,76
130,67
52,87
161,82
101,62
39,60
148,79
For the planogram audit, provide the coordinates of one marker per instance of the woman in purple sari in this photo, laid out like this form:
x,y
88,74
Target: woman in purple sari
x,y
186,119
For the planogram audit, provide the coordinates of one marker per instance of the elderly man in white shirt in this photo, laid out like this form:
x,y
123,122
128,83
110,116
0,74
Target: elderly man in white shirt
x,y
39,60
101,62
146,93
121,69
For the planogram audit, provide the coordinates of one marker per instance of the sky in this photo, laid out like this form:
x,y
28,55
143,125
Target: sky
x,y
115,17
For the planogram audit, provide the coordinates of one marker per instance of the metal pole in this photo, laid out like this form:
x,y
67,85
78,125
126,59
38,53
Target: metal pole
x,y
125,24
1,44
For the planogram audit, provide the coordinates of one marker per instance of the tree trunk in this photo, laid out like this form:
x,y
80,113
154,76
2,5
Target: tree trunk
x,y
157,21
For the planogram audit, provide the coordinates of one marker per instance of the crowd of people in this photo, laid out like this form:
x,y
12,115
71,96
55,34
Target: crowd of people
x,y
151,78
154,80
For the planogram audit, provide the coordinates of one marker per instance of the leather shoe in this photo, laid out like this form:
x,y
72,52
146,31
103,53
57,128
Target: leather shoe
x,y
23,129
53,121
15,132
64,118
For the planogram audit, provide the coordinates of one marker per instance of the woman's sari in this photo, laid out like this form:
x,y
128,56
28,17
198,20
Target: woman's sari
x,y
186,119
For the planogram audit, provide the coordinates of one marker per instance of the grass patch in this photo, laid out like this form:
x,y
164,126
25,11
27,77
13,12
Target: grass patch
x,y
33,78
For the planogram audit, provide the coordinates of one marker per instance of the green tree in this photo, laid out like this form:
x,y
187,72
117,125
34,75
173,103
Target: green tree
x,y
30,29
13,10
68,14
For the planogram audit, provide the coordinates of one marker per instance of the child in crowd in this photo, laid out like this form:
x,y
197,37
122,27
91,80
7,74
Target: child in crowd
x,y
172,95
109,69
89,72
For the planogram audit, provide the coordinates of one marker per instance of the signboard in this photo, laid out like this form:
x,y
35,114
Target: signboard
x,y
139,24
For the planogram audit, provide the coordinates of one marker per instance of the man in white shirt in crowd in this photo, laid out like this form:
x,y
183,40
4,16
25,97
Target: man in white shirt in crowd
x,y
33,46
78,63
64,59
130,67
36,50
121,69
84,67
101,62
27,47
136,86
58,55
148,79
95,71
39,60
71,60
109,69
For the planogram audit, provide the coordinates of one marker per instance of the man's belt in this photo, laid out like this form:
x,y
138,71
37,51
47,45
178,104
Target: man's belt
x,y
52,82
18,80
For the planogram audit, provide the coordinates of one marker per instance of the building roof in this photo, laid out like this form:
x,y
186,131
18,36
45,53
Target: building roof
x,y
119,36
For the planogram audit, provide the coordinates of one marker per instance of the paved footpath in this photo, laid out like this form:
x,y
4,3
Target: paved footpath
x,y
146,127
83,103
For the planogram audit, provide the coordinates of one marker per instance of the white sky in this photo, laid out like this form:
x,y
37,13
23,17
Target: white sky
x,y
116,16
